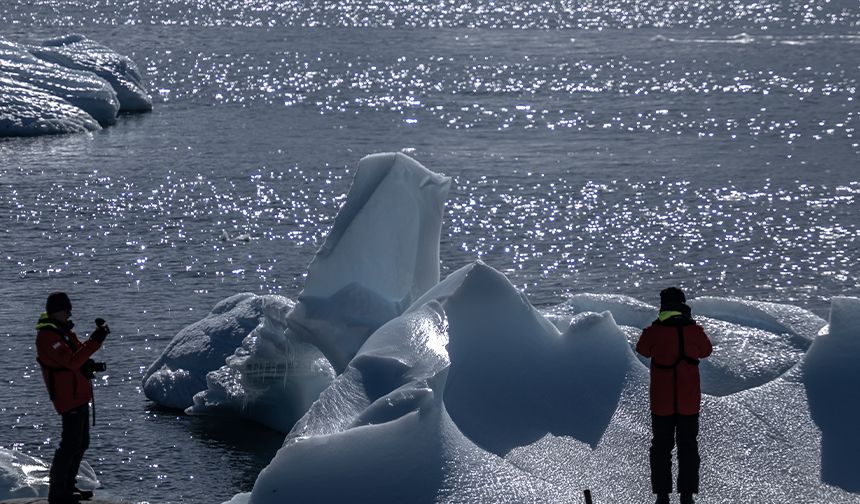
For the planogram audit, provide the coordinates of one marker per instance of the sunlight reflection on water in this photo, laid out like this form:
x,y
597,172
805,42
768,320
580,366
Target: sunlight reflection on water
x,y
714,147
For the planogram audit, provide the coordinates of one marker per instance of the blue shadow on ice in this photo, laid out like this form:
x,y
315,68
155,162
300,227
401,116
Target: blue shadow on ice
x,y
513,379
832,379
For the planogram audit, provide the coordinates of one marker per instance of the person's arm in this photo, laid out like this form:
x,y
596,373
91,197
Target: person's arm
x,y
645,345
705,346
54,352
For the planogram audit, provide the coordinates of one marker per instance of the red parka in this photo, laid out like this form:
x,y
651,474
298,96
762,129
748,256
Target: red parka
x,y
675,382
61,356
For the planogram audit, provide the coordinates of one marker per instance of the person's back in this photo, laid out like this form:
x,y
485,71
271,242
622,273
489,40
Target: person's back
x,y
674,343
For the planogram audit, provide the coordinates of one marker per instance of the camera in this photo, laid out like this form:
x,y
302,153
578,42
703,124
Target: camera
x,y
91,367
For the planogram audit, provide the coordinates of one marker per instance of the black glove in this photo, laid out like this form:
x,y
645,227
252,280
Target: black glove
x,y
88,369
101,331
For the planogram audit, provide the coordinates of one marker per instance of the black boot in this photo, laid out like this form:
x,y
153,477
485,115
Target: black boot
x,y
83,495
662,498
687,498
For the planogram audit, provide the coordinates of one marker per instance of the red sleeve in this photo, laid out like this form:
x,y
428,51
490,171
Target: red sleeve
x,y
704,344
645,345
54,352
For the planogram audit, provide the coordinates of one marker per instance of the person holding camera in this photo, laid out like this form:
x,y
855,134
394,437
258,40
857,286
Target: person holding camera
x,y
68,370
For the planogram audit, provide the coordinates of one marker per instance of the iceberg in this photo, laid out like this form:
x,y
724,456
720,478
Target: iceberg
x,y
381,254
180,371
80,53
68,85
473,396
832,380
81,89
396,390
24,476
395,387
26,110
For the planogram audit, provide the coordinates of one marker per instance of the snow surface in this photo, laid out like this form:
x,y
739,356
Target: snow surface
x,y
67,85
461,391
24,476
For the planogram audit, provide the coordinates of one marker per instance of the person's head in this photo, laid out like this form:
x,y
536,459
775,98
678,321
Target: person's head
x,y
672,298
59,306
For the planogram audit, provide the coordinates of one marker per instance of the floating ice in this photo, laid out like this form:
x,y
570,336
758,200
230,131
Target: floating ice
x,y
271,378
461,391
26,110
471,395
82,89
81,53
381,254
832,379
625,310
24,476
392,393
71,85
180,371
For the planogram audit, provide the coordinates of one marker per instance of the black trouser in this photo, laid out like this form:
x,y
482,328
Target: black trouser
x,y
67,459
668,429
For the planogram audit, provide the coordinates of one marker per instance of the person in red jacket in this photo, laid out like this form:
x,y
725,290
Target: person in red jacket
x,y
674,343
67,370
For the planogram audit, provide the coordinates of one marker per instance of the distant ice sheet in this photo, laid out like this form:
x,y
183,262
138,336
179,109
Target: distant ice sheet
x,y
68,85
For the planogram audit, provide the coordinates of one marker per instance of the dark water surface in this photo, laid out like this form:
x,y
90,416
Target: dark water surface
x,y
720,155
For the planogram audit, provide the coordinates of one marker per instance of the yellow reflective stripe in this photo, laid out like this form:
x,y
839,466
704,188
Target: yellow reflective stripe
x,y
667,315
45,323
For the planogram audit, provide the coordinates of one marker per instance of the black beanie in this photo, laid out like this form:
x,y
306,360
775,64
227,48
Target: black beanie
x,y
671,298
57,302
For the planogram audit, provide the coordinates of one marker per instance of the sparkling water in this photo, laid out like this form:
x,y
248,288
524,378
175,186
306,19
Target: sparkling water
x,y
613,146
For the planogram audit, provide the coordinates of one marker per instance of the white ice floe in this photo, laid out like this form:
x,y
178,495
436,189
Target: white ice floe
x,y
180,371
24,476
69,85
381,254
472,396
79,88
461,391
26,110
832,378
80,53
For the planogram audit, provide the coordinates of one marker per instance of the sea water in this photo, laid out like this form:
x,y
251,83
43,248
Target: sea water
x,y
612,147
